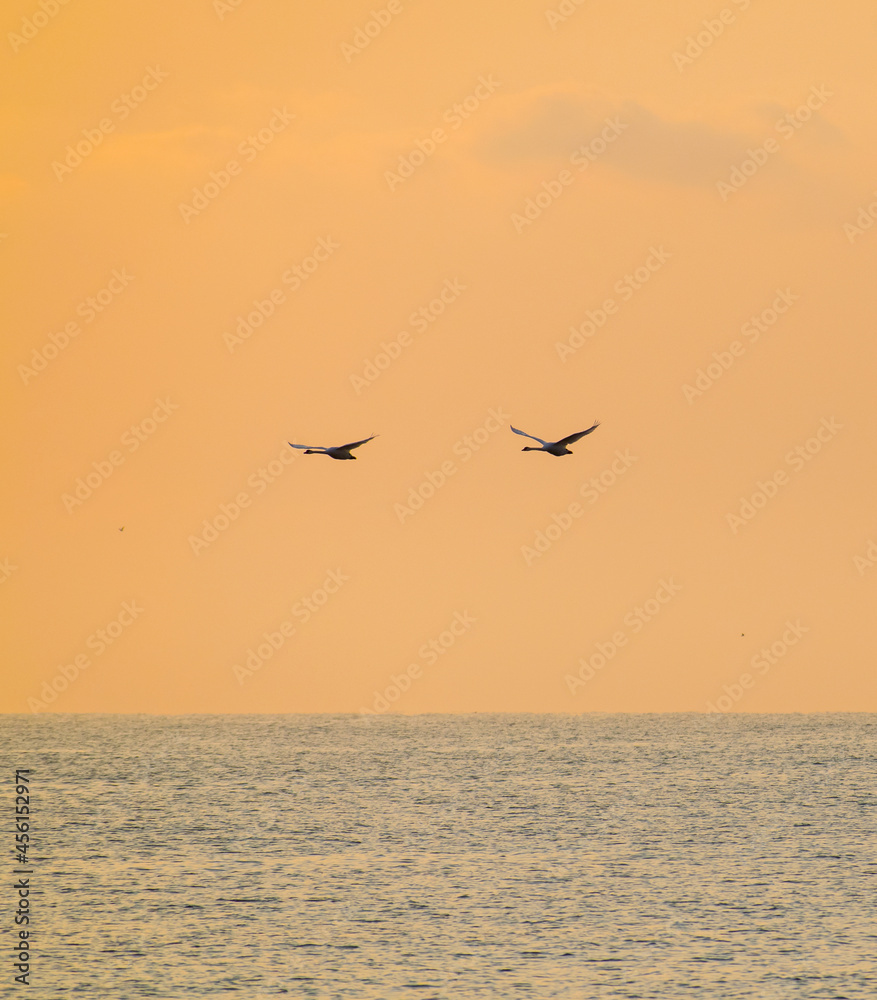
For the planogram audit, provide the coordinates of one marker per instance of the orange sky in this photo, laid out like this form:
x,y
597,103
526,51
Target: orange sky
x,y
226,226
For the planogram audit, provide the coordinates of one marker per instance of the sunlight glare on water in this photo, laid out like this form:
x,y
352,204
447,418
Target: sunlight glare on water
x,y
457,857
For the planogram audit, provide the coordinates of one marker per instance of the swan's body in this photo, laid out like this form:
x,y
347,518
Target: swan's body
x,y
341,451
555,447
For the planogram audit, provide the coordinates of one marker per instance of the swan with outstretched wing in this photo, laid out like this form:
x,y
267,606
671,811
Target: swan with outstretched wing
x,y
555,447
341,451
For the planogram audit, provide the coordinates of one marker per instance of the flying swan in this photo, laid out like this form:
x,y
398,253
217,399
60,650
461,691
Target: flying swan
x,y
555,447
341,452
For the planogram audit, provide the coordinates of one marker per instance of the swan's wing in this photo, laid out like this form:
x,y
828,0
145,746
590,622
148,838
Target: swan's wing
x,y
356,444
526,435
576,437
310,447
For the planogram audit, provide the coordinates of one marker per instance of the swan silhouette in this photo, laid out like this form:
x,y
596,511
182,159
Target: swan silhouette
x,y
341,451
555,447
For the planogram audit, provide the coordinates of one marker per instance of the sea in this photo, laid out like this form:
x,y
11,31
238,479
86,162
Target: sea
x,y
442,857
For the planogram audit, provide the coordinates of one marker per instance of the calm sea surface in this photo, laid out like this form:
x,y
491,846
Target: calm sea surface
x,y
590,857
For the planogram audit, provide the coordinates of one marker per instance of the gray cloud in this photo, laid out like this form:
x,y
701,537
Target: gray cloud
x,y
680,152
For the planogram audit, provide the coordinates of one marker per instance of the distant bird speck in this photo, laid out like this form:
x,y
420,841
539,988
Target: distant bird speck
x,y
555,447
341,452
